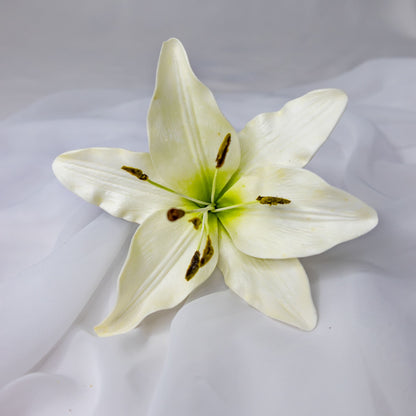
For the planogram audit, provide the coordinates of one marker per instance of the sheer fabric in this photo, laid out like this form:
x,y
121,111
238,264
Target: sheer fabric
x,y
214,354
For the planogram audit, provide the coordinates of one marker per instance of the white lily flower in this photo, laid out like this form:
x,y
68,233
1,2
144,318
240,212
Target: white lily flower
x,y
205,195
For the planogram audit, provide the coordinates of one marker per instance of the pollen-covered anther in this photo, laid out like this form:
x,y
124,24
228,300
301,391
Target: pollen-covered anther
x,y
196,221
138,173
207,253
223,150
174,214
272,200
193,266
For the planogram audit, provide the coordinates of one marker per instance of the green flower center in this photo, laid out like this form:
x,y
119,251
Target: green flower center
x,y
199,218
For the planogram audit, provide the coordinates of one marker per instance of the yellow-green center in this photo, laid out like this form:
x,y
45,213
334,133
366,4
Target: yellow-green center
x,y
203,209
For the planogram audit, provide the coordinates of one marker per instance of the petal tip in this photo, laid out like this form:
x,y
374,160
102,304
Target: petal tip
x,y
307,318
114,324
305,321
57,165
310,323
103,330
62,159
339,93
335,92
339,97
172,41
371,219
173,45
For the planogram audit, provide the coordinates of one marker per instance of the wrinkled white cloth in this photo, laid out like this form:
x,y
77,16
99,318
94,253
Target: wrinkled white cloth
x,y
213,355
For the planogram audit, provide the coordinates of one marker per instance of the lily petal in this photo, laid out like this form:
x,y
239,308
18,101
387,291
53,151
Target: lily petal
x,y
153,276
186,128
318,217
292,135
277,288
95,175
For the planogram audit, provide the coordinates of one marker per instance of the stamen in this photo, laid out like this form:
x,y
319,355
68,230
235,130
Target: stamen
x,y
196,222
265,200
193,266
233,206
138,173
272,200
220,159
214,184
201,210
222,152
204,221
174,214
208,252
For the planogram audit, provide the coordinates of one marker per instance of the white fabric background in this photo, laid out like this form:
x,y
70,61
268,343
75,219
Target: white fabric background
x,y
214,355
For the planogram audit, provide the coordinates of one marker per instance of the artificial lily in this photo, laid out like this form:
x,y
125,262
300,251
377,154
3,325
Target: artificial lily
x,y
206,196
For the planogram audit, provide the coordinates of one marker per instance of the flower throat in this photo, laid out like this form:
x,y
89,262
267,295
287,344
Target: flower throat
x,y
200,220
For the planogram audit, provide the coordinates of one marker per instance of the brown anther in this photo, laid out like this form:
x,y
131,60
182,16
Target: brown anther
x,y
208,252
193,266
272,200
222,152
136,172
196,221
174,214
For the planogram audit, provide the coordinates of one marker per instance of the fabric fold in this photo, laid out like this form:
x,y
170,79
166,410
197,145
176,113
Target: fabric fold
x,y
38,306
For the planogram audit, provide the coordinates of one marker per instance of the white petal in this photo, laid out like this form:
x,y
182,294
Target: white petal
x,y
95,175
318,217
292,135
153,276
278,288
186,128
